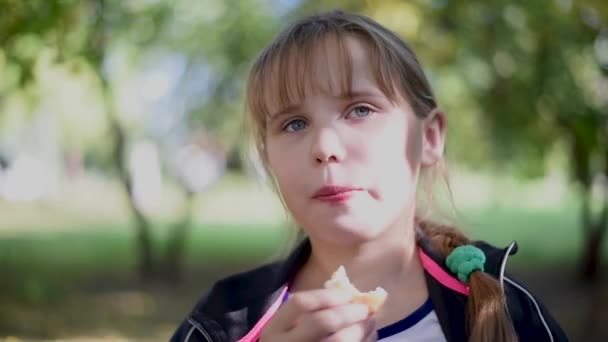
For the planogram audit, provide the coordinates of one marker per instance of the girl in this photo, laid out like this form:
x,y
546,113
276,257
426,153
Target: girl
x,y
346,123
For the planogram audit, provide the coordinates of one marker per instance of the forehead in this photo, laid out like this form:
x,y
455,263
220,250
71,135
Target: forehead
x,y
334,65
342,66
360,65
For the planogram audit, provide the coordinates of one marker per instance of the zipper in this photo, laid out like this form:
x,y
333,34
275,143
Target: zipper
x,y
540,315
502,279
197,326
503,265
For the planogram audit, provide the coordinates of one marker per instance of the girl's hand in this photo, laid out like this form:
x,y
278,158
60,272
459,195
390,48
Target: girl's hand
x,y
321,315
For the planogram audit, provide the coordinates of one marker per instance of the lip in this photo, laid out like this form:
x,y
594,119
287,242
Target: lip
x,y
333,193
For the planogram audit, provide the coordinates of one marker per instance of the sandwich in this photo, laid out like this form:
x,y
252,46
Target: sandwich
x,y
373,299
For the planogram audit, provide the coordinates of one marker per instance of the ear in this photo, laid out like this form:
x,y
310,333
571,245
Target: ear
x,y
433,138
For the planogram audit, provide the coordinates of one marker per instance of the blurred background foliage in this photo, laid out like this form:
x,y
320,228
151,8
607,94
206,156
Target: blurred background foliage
x,y
124,190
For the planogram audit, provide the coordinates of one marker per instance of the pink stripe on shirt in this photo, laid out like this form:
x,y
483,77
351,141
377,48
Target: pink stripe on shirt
x,y
441,275
254,334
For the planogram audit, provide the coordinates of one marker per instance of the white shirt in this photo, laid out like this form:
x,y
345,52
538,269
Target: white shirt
x,y
421,326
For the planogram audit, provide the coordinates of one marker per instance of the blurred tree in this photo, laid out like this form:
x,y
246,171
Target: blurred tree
x,y
520,79
222,37
79,35
545,68
97,38
219,38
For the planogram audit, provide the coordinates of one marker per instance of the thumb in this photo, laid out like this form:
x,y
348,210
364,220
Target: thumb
x,y
372,334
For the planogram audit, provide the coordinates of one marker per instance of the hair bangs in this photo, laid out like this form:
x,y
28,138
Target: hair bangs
x,y
316,63
311,57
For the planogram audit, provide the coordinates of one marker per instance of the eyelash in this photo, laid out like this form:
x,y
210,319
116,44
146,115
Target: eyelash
x,y
368,108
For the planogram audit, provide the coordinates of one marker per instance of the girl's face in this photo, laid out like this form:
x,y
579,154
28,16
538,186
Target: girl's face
x,y
362,142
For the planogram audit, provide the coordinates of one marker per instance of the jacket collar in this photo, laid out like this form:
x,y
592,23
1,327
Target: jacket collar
x,y
293,263
449,305
494,259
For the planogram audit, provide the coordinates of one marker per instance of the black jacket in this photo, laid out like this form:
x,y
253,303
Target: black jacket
x,y
233,305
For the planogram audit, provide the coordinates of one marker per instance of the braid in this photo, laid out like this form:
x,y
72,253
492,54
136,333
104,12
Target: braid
x,y
443,238
487,316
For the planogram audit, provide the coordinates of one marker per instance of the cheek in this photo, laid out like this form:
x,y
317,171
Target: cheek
x,y
389,151
393,160
283,165
277,158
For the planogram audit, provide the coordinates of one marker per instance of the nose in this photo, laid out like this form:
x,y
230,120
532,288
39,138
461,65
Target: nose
x,y
327,147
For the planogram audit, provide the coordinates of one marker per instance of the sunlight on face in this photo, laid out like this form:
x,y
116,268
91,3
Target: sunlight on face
x,y
362,142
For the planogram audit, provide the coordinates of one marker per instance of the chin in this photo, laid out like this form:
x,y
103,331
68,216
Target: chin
x,y
350,232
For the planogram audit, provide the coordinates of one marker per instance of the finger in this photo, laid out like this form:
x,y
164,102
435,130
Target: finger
x,y
307,301
373,337
364,331
322,323
372,330
355,332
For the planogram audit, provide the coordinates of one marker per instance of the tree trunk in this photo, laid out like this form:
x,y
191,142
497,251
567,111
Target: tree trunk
x,y
595,327
142,226
176,243
595,231
143,238
96,53
591,256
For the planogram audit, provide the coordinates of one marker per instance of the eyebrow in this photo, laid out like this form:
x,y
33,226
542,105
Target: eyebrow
x,y
350,95
285,111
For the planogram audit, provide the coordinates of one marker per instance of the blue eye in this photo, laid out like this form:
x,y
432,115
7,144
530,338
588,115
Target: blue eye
x,y
361,111
295,125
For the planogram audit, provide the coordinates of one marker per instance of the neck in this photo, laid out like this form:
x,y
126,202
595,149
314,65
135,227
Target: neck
x,y
390,261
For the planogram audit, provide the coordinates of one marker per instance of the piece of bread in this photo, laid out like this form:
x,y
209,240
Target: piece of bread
x,y
373,299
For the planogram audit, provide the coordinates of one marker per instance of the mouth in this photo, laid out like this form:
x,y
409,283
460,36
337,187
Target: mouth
x,y
333,193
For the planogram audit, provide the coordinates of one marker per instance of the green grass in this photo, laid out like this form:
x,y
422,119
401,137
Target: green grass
x,y
543,236
41,262
46,247
41,266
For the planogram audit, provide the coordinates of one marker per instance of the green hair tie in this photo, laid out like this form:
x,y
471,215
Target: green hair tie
x,y
464,260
